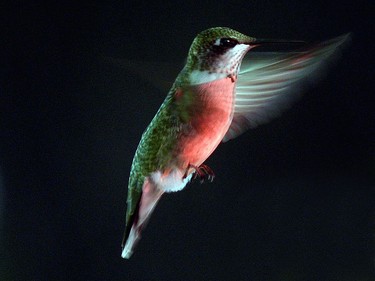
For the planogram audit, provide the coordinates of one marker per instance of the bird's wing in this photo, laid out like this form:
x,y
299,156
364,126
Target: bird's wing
x,y
159,74
141,203
269,82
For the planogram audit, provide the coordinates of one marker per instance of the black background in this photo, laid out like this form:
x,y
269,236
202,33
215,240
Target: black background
x,y
292,200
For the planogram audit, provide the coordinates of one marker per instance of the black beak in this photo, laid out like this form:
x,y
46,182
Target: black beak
x,y
275,41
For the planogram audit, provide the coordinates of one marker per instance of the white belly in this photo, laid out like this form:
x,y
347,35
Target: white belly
x,y
172,181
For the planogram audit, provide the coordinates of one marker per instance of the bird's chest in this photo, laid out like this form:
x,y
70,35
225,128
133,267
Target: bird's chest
x,y
206,116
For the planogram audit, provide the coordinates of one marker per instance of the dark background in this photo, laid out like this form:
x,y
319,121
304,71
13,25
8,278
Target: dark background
x,y
292,200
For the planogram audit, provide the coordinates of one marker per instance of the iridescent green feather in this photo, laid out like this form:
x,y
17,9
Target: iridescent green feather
x,y
155,149
157,139
198,59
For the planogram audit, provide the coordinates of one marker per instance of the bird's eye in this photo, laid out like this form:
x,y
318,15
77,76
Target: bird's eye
x,y
228,42
222,45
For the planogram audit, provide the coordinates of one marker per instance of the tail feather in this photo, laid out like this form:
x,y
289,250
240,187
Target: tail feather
x,y
149,198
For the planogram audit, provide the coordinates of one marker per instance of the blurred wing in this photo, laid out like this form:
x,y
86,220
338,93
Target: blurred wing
x,y
159,74
268,83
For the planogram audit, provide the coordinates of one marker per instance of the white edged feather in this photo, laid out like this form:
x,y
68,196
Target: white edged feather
x,y
269,82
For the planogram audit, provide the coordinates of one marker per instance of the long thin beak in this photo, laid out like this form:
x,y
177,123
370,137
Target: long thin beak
x,y
275,41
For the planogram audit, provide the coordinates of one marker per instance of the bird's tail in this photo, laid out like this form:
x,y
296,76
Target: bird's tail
x,y
149,198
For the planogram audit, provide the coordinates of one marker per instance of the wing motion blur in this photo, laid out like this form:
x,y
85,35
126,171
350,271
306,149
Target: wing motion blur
x,y
269,82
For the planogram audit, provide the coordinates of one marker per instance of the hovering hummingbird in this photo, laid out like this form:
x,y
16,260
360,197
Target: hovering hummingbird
x,y
212,101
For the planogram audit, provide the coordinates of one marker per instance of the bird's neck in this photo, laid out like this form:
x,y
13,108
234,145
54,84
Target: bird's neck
x,y
197,77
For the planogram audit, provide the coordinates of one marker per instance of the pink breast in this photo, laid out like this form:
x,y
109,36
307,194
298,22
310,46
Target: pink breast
x,y
212,115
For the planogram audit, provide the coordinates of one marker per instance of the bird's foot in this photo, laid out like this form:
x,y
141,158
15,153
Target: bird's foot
x,y
203,172
232,77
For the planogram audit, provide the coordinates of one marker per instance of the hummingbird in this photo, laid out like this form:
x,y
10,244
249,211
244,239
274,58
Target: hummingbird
x,y
213,99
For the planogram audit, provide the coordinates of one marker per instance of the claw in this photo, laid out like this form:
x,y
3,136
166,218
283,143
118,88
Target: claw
x,y
203,172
